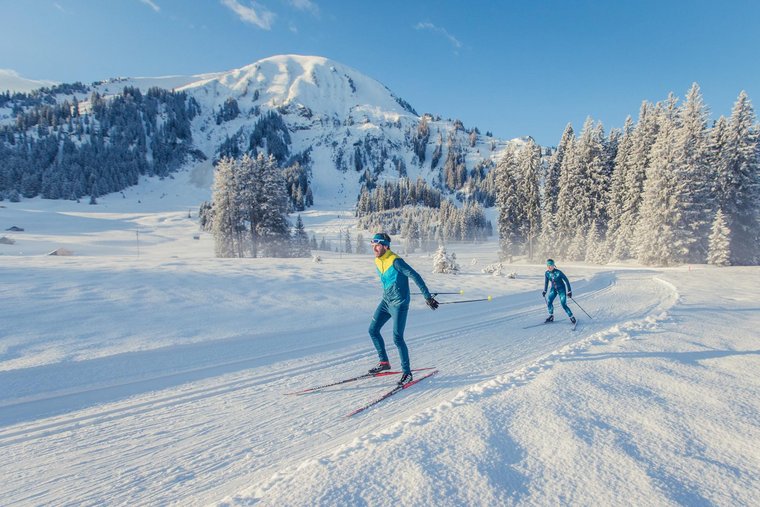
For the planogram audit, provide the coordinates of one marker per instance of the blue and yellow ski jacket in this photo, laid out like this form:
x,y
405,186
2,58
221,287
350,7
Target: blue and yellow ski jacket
x,y
395,274
558,280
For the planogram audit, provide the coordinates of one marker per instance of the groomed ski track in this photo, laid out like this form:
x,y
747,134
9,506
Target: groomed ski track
x,y
220,422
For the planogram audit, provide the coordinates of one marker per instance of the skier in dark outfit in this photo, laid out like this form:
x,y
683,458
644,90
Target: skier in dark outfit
x,y
395,274
558,281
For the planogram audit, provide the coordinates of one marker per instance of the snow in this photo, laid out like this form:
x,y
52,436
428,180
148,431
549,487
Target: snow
x,y
143,371
11,81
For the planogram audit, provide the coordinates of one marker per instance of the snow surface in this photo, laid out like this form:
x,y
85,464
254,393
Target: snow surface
x,y
11,81
143,371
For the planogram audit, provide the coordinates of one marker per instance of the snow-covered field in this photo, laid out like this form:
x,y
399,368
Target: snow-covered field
x,y
143,371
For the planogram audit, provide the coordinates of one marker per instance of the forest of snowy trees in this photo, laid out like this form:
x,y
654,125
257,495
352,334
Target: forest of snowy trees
x,y
70,149
420,214
667,190
248,214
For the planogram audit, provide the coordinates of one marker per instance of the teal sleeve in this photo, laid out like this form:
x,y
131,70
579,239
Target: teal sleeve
x,y
564,277
406,269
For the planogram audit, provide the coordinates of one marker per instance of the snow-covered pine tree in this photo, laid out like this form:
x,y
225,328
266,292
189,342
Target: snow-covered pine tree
x,y
300,240
719,253
227,221
693,177
554,170
273,228
248,196
529,167
656,241
347,247
507,203
643,138
565,218
618,192
738,182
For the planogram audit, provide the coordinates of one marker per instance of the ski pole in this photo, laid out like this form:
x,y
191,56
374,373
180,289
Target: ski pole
x,y
489,298
579,306
437,293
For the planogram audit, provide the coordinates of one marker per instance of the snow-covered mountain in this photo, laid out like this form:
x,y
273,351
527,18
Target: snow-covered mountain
x,y
344,126
348,122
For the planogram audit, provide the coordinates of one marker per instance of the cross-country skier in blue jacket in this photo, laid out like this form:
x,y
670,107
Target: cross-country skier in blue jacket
x,y
559,285
395,274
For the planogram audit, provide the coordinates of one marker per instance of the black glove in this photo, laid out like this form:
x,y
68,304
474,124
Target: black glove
x,y
543,293
570,294
432,303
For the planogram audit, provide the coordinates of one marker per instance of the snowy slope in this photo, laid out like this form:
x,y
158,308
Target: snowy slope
x,y
158,376
11,81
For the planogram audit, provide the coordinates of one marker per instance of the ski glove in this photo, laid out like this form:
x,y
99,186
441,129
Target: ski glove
x,y
543,293
432,303
570,294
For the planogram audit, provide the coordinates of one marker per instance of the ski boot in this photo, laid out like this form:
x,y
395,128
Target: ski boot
x,y
550,318
405,378
381,366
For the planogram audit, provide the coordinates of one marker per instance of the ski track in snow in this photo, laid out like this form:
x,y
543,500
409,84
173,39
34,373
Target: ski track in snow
x,y
225,426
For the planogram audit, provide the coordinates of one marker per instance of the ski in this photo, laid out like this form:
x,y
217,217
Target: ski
x,y
390,393
575,324
352,379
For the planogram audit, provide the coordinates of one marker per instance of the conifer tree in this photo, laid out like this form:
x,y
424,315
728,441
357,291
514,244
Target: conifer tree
x,y
656,241
618,191
301,245
738,182
693,177
719,253
227,219
507,204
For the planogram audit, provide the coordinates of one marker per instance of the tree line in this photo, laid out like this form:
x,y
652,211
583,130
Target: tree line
x,y
69,150
666,190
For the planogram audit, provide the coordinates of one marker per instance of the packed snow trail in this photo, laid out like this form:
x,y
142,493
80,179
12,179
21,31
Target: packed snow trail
x,y
203,433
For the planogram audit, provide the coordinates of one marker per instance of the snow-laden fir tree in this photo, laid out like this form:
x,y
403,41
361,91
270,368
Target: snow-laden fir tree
x,y
719,253
693,177
347,247
273,228
507,202
445,263
657,242
738,180
227,219
634,175
554,169
618,198
301,246
529,168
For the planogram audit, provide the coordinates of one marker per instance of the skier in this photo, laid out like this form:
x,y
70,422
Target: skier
x,y
394,273
558,281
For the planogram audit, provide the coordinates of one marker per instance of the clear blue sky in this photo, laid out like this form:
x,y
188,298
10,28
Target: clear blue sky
x,y
510,67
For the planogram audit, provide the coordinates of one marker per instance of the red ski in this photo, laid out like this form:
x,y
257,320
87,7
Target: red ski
x,y
393,391
352,379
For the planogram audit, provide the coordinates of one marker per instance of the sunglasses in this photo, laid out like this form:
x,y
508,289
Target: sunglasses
x,y
377,242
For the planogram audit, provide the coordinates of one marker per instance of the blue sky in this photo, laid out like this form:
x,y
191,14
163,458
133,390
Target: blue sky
x,y
513,68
